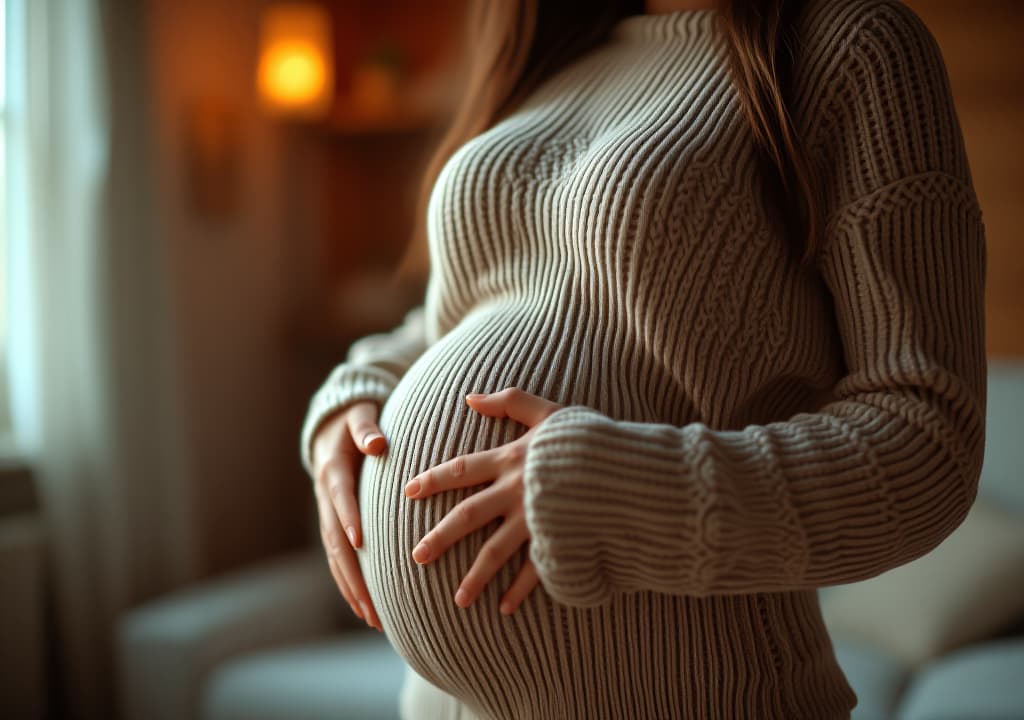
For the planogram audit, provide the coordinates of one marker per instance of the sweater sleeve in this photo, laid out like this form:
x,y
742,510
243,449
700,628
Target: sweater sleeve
x,y
372,368
870,481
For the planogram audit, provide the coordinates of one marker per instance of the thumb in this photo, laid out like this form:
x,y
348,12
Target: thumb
x,y
512,402
362,426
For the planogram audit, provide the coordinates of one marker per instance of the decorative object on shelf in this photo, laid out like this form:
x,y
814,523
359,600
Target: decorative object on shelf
x,y
296,63
378,79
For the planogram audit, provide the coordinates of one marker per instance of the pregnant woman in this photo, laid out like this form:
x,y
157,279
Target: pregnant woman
x,y
703,332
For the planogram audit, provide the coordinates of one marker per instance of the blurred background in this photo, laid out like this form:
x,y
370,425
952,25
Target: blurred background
x,y
201,203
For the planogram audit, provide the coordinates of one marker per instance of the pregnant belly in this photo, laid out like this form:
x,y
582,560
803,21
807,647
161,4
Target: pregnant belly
x,y
639,655
426,421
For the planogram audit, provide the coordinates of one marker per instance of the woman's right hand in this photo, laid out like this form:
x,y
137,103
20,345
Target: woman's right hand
x,y
338,449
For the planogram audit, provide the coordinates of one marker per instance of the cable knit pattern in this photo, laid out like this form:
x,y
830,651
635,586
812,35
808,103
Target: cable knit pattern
x,y
734,433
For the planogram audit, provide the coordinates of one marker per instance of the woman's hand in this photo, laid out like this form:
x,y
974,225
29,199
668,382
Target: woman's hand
x,y
504,498
337,458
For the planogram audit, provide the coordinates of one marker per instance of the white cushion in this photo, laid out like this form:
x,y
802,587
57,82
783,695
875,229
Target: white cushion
x,y
1002,477
877,679
966,589
350,676
984,682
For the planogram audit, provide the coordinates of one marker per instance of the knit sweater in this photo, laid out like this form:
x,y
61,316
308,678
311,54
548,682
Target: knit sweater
x,y
734,433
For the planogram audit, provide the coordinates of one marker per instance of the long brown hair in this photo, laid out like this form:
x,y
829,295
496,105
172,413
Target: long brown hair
x,y
513,45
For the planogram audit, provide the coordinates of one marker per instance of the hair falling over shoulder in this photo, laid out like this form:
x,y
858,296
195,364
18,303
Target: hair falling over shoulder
x,y
511,46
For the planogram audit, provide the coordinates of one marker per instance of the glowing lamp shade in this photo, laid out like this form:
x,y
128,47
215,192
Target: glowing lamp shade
x,y
296,69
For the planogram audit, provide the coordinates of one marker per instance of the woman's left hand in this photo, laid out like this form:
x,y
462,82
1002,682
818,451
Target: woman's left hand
x,y
504,498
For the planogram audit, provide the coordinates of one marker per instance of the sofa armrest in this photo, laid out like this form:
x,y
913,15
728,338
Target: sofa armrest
x,y
166,647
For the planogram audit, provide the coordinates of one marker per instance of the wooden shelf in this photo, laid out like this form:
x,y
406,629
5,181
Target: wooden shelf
x,y
347,121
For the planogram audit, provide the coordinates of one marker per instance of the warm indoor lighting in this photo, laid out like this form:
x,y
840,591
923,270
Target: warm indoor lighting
x,y
296,71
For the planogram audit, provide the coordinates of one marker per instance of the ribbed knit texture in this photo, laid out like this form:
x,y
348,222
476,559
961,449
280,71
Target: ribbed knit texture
x,y
736,433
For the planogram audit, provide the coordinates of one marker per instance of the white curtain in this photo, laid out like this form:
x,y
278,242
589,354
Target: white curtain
x,y
89,401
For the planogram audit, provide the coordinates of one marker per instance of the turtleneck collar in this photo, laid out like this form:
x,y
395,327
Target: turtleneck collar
x,y
665,26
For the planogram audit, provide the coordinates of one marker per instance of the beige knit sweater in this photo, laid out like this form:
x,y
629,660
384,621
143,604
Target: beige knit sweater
x,y
735,433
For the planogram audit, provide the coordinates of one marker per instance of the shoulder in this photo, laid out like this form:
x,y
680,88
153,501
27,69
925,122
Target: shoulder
x,y
851,15
871,96
845,46
831,27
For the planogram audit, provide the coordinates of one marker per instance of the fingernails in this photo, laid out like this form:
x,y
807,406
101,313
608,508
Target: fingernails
x,y
462,598
505,607
351,532
366,611
421,553
370,437
476,396
413,488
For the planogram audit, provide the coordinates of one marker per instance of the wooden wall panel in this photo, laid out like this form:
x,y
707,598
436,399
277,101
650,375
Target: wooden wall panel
x,y
983,44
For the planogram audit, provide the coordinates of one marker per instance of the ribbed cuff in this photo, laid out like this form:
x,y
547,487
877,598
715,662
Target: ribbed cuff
x,y
586,521
346,384
617,506
553,477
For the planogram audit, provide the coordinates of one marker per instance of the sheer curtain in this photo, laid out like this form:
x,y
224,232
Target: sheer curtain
x,y
91,381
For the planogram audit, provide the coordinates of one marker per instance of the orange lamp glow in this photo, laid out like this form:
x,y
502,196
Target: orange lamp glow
x,y
296,68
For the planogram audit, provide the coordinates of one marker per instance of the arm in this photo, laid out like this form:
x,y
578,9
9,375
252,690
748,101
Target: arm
x,y
372,368
874,479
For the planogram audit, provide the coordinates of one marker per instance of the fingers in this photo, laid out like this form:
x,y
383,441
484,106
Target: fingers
x,y
330,529
330,535
339,580
471,514
460,471
337,504
524,583
338,477
343,563
501,546
362,426
353,575
338,472
513,403
335,460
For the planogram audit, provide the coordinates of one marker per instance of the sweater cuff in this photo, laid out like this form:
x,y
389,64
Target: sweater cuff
x,y
346,385
583,525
